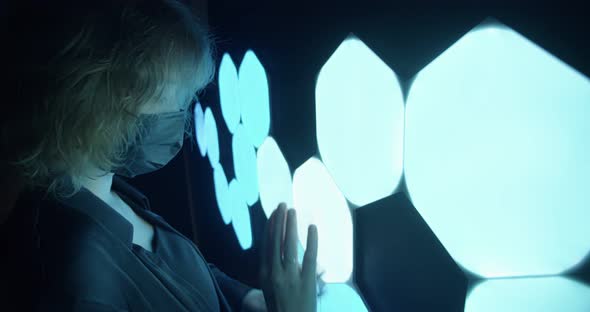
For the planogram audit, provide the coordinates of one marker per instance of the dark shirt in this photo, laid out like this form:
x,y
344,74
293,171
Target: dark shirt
x,y
88,262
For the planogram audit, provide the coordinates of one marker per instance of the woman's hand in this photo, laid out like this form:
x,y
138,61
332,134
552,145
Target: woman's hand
x,y
286,286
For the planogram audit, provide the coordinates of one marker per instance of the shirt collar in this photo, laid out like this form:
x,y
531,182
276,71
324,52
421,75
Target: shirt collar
x,y
89,204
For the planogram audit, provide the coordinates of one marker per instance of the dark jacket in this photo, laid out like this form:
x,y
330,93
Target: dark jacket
x,y
85,260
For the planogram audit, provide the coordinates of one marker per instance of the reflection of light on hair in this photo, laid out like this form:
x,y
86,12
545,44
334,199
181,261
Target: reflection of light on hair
x,y
318,201
222,194
244,157
200,129
496,155
240,215
547,294
211,138
274,177
340,297
360,122
254,98
229,92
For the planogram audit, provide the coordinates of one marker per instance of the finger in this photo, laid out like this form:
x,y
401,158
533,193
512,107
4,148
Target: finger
x,y
311,253
277,238
290,254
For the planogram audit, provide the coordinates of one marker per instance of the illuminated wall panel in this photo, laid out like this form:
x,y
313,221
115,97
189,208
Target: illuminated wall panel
x,y
222,194
360,122
495,159
318,201
229,92
274,177
548,294
245,166
200,129
254,98
211,137
240,214
340,297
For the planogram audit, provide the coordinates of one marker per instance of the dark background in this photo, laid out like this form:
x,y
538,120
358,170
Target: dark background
x,y
292,44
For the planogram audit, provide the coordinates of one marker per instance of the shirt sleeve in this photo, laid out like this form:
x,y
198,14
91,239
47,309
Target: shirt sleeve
x,y
234,290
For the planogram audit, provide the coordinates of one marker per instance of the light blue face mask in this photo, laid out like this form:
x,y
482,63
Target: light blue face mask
x,y
162,140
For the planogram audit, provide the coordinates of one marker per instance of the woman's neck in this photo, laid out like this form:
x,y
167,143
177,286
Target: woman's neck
x,y
99,183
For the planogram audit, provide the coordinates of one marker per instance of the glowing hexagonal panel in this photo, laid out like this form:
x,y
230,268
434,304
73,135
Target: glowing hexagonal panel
x,y
254,98
222,193
547,294
229,92
200,129
318,201
211,137
360,122
496,155
245,165
274,177
340,297
240,215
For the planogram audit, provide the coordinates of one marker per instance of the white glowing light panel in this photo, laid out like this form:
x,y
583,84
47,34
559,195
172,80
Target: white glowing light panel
x,y
496,155
229,92
245,166
222,193
274,177
200,129
318,201
360,123
340,297
547,294
254,98
211,137
240,214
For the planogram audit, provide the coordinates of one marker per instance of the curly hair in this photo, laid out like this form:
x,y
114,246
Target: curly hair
x,y
80,72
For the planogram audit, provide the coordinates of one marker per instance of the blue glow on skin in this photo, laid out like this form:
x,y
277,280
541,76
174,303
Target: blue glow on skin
x,y
360,123
274,177
240,215
254,98
496,155
245,165
229,92
548,294
318,201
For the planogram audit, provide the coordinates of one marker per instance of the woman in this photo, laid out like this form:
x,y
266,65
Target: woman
x,y
103,88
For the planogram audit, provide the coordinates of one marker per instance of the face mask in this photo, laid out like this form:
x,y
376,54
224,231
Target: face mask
x,y
163,138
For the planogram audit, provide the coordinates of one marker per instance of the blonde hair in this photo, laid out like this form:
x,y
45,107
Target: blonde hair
x,y
79,83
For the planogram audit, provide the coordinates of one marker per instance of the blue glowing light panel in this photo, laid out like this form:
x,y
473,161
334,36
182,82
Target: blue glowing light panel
x,y
318,201
274,177
496,155
548,294
360,122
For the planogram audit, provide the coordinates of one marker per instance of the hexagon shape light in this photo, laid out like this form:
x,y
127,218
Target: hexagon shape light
x,y
547,294
318,201
229,92
222,194
274,177
245,166
495,159
254,98
340,297
211,137
240,214
200,129
360,122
